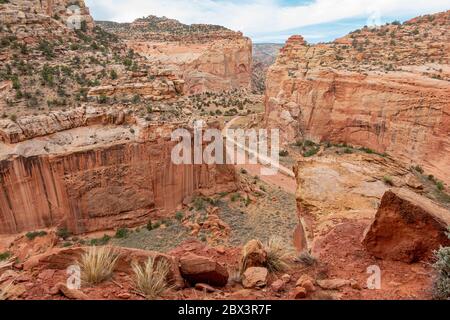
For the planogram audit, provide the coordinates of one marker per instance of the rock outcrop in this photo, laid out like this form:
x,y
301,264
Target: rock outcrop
x,y
196,269
383,88
100,173
208,58
407,227
31,20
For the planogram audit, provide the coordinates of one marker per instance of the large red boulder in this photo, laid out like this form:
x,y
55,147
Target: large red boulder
x,y
407,227
196,269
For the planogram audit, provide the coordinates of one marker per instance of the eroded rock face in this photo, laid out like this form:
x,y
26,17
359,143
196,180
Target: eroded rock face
x,y
336,188
368,93
105,175
212,59
407,227
30,20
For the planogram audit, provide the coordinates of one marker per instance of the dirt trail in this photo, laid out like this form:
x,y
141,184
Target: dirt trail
x,y
284,178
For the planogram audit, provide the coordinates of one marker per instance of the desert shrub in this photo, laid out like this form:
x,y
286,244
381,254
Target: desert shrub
x,y
235,197
419,169
199,204
113,74
442,266
6,291
102,99
47,49
101,241
388,180
150,279
97,264
149,225
306,259
63,233
179,215
5,256
279,255
440,185
35,234
311,152
284,153
122,233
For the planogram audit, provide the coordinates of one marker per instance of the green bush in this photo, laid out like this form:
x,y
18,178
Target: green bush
x,y
311,152
63,233
284,153
442,267
179,215
122,233
5,256
440,186
34,234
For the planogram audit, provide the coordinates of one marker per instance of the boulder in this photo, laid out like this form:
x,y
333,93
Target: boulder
x,y
407,227
196,269
333,284
72,294
278,285
255,277
306,282
253,255
299,293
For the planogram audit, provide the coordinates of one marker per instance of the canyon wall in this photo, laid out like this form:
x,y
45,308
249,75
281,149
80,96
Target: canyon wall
x,y
99,177
391,97
207,57
218,66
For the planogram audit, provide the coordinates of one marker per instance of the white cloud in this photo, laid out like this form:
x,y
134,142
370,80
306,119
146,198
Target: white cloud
x,y
258,17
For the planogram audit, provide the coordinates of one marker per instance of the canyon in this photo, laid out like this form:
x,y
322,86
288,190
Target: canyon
x,y
86,143
383,88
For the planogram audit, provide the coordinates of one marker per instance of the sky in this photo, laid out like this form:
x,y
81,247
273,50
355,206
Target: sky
x,y
272,21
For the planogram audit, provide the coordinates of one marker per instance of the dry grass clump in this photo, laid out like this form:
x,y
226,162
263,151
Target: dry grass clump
x,y
97,264
4,264
306,259
7,291
279,255
150,279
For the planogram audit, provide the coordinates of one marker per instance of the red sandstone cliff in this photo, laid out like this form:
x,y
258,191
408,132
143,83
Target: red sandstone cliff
x,y
208,58
387,89
103,175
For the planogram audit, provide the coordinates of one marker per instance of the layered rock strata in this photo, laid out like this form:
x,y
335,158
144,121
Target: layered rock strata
x,y
112,172
207,58
382,88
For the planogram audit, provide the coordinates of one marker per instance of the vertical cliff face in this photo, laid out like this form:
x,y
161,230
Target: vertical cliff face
x,y
208,58
383,93
98,177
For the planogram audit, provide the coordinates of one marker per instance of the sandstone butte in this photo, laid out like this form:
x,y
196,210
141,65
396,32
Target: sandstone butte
x,y
208,58
385,88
